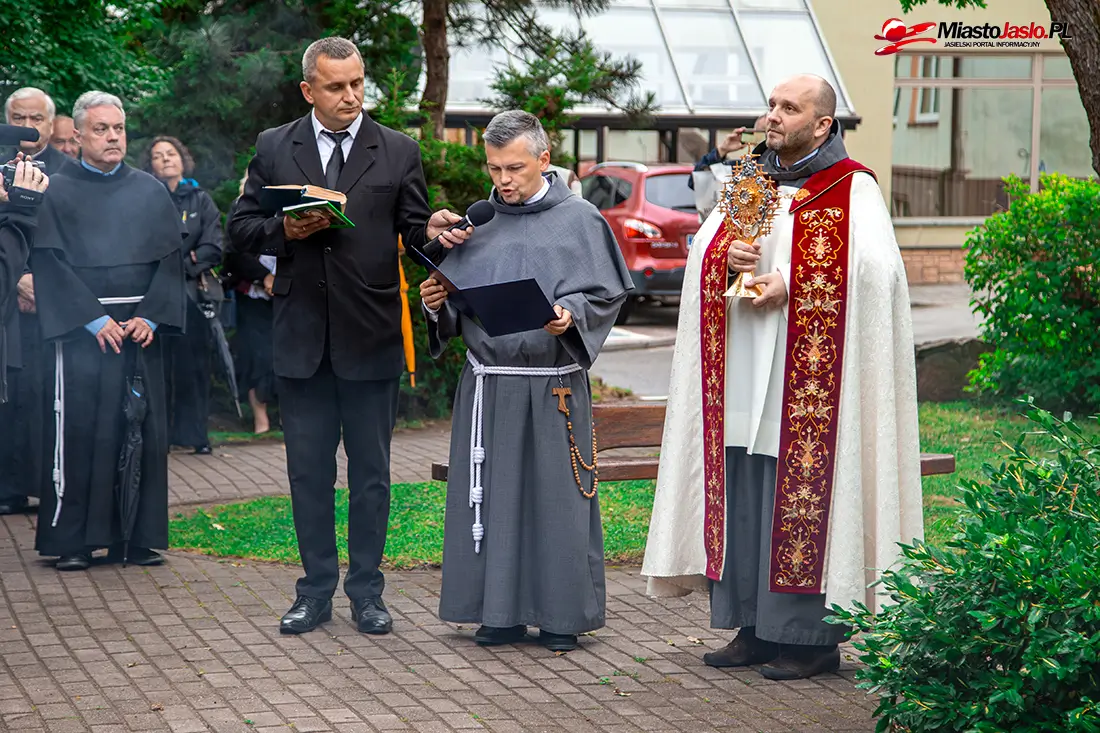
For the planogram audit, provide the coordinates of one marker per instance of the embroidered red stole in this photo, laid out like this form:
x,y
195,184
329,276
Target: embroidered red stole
x,y
815,347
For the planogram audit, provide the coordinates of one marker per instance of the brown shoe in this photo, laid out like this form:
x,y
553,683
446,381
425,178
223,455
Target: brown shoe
x,y
802,662
743,651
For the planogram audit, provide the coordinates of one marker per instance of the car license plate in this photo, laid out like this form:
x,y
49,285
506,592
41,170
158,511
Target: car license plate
x,y
691,238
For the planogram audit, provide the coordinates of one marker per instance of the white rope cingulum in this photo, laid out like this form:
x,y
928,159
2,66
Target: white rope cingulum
x,y
477,449
59,410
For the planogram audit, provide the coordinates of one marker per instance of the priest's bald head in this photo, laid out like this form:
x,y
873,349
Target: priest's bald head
x,y
800,116
517,151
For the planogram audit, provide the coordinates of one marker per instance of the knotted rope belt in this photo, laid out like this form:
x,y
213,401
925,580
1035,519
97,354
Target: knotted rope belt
x,y
59,410
477,448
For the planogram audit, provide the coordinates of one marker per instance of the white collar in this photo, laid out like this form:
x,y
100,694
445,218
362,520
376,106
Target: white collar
x,y
541,194
352,129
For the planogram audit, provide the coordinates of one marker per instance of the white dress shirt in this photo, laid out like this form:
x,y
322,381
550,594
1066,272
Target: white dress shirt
x,y
325,144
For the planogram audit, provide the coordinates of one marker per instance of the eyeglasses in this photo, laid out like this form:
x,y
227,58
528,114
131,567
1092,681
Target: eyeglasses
x,y
18,119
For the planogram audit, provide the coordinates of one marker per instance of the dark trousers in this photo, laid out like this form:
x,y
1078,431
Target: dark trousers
x,y
744,596
189,381
315,412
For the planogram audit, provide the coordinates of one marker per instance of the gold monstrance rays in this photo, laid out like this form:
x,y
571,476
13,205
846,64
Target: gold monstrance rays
x,y
749,200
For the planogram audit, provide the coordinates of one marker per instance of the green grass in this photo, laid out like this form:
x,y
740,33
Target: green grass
x,y
230,437
968,431
264,528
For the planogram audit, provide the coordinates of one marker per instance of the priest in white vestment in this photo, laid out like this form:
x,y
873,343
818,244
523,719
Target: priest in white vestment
x,y
790,464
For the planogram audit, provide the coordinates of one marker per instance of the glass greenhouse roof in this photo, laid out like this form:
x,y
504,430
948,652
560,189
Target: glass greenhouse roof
x,y
701,58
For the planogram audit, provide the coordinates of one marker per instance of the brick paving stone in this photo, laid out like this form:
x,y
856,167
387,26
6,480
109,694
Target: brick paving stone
x,y
193,646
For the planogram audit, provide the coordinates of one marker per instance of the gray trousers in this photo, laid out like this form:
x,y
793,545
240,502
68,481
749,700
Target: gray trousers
x,y
742,597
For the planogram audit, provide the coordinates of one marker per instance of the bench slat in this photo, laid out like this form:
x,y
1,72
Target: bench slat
x,y
645,467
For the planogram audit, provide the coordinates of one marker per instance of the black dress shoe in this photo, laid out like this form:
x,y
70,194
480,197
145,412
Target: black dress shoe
x,y
370,616
558,642
80,561
745,650
203,450
14,506
496,635
305,615
142,556
802,662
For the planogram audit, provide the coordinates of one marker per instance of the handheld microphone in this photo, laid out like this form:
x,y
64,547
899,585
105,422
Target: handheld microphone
x,y
479,213
15,134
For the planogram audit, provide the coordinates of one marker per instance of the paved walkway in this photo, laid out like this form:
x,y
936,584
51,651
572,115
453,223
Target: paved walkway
x,y
193,646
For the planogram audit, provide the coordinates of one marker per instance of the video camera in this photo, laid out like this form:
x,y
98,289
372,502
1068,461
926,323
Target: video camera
x,y
8,171
13,135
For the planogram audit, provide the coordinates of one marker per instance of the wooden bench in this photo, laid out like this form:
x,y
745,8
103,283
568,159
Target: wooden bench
x,y
641,424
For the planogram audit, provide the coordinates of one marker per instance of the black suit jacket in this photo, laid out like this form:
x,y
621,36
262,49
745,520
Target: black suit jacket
x,y
339,287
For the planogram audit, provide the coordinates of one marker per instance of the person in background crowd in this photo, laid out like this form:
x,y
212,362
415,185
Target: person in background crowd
x,y
107,258
18,219
253,277
24,427
64,136
189,358
731,143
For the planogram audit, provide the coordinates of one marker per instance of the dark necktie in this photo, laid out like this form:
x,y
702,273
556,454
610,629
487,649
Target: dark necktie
x,y
336,160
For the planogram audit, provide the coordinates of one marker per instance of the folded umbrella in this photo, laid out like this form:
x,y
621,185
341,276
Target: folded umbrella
x,y
128,479
210,297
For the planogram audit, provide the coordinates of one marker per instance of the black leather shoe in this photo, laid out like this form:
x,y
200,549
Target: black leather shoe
x,y
745,650
203,450
370,616
306,615
558,642
802,662
496,635
80,561
14,506
142,556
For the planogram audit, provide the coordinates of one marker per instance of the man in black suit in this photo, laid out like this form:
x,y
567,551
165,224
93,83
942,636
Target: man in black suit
x,y
337,320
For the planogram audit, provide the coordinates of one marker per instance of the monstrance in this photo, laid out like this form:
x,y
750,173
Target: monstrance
x,y
749,200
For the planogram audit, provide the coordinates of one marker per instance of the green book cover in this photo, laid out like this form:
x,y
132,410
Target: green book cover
x,y
339,220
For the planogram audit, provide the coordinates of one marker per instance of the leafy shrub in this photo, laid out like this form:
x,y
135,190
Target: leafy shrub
x,y
1032,270
999,630
456,177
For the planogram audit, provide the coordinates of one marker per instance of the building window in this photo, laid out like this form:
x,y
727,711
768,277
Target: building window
x,y
926,100
983,119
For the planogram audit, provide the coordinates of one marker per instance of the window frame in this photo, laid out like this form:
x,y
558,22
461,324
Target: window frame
x,y
1036,83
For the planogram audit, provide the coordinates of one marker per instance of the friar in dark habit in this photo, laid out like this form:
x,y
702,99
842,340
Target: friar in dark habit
x,y
522,542
109,268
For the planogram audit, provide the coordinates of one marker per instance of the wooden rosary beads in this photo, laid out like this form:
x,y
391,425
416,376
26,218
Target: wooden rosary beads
x,y
574,452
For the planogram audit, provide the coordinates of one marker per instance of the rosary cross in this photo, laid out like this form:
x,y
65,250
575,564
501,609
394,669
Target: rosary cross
x,y
561,393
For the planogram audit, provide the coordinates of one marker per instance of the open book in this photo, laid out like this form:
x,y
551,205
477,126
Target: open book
x,y
294,200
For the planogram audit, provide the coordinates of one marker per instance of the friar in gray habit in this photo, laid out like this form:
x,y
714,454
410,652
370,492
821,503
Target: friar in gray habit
x,y
523,545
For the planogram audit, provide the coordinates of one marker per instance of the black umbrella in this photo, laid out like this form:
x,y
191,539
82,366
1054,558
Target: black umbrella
x,y
210,297
127,488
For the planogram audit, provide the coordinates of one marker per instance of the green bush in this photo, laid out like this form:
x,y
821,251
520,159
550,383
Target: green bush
x,y
999,630
1032,272
456,177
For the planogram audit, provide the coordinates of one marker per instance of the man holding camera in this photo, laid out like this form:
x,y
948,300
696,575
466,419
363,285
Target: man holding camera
x,y
18,217
23,441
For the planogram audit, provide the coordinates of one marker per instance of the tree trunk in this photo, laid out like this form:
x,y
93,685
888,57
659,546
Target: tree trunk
x,y
1083,50
437,59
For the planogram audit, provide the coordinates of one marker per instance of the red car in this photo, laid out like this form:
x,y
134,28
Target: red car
x,y
652,212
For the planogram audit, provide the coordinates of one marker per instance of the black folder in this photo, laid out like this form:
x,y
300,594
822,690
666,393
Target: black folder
x,y
500,309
